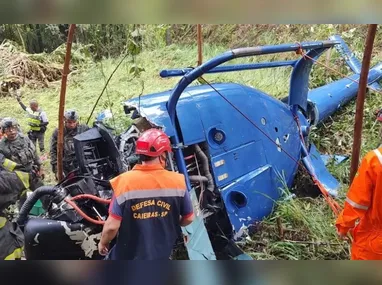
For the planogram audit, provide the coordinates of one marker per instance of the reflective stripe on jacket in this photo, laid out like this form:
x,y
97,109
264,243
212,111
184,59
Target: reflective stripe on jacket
x,y
23,176
34,120
363,205
11,240
149,201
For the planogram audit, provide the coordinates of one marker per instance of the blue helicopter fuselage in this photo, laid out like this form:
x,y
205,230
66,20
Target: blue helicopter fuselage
x,y
248,166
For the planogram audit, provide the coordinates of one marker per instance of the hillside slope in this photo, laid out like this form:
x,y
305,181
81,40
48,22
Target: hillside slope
x,y
307,223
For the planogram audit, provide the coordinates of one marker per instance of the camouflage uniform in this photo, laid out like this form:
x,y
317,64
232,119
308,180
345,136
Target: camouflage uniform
x,y
11,237
23,152
18,165
69,160
11,240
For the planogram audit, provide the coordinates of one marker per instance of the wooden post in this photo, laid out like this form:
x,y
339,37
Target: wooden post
x,y
328,56
199,34
60,143
361,100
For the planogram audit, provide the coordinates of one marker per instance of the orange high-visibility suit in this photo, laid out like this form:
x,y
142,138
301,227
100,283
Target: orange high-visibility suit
x,y
364,205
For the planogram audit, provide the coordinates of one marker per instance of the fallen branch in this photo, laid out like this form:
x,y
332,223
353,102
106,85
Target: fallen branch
x,y
18,65
313,242
280,226
294,241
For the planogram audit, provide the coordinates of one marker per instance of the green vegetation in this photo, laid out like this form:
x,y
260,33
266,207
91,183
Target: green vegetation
x,y
307,224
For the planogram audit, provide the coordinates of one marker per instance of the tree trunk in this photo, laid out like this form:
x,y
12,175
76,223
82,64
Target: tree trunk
x,y
40,45
168,36
21,37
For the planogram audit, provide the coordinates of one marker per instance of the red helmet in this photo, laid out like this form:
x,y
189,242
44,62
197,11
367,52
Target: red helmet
x,y
379,115
153,142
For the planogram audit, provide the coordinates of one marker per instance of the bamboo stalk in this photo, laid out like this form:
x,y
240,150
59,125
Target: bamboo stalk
x,y
60,143
21,38
361,100
199,33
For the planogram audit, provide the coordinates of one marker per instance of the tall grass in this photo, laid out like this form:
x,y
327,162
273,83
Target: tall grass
x,y
299,229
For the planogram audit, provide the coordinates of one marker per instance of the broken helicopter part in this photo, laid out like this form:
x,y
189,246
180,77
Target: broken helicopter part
x,y
236,145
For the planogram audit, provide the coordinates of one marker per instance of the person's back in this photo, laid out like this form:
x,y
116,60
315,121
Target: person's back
x,y
149,205
150,201
363,205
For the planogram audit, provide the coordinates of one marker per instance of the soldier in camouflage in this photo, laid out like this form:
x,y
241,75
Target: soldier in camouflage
x,y
71,129
21,155
11,188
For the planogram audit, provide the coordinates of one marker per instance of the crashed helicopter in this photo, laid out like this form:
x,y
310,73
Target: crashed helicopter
x,y
234,151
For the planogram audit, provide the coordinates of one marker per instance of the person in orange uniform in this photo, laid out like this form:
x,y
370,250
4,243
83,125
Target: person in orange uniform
x,y
148,207
362,213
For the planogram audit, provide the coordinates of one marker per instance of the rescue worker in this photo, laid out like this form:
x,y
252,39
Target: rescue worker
x,y
148,207
11,239
71,129
37,121
21,154
362,213
11,187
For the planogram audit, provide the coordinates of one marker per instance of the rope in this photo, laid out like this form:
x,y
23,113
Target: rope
x,y
301,52
305,56
332,203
